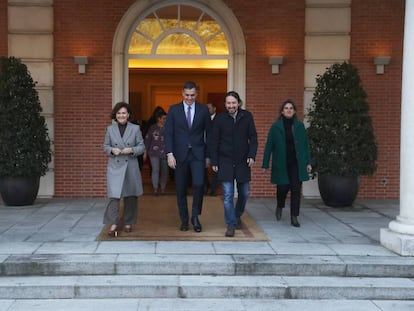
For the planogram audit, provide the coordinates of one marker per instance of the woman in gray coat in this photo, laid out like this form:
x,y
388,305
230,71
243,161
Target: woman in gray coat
x,y
123,144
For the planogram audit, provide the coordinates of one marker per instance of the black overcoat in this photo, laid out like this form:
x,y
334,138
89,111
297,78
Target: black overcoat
x,y
232,142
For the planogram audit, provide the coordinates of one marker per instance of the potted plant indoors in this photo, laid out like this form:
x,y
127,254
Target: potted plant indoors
x,y
25,147
340,134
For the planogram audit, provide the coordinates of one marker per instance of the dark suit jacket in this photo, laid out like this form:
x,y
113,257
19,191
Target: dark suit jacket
x,y
178,136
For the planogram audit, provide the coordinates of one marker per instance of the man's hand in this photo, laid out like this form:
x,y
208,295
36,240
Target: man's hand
x,y
250,162
171,161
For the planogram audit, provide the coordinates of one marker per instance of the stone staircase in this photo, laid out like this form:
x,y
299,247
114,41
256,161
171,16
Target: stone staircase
x,y
208,282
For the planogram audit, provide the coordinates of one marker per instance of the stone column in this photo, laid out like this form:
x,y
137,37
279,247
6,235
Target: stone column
x,y
399,236
30,38
328,24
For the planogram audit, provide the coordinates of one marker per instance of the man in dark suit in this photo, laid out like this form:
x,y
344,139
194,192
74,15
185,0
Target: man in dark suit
x,y
186,131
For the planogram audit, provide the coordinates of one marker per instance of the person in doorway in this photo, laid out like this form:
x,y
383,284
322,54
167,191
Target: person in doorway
x,y
211,184
155,149
287,145
233,153
153,119
186,132
145,127
123,144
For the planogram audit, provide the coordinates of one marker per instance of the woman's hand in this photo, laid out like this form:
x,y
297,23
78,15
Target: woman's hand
x,y
116,151
127,151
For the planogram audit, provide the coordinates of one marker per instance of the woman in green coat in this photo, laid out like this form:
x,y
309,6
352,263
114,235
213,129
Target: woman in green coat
x,y
287,145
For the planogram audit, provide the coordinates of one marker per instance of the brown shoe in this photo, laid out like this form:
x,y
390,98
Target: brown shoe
x,y
230,232
113,232
128,228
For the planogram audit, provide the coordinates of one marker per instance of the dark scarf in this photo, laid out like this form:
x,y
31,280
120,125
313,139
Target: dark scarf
x,y
290,141
122,128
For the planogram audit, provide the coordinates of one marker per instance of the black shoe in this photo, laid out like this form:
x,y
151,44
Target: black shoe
x,y
184,227
294,221
239,223
229,232
279,213
196,224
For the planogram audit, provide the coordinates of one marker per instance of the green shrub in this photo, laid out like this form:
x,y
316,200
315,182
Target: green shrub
x,y
25,147
340,134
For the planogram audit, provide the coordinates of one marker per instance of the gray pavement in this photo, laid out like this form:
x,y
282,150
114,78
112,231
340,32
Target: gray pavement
x,y
54,241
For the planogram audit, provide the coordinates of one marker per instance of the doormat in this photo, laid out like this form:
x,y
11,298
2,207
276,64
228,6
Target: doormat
x,y
158,220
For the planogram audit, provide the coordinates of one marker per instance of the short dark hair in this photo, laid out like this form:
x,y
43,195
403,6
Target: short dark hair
x,y
235,95
118,106
190,85
159,114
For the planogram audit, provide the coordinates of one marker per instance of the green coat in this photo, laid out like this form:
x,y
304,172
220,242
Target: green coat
x,y
276,148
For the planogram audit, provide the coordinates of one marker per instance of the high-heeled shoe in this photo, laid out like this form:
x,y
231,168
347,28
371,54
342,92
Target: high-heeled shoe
x,y
128,228
112,231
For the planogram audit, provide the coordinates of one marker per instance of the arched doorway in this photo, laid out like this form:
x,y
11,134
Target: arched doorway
x,y
159,46
173,44
217,10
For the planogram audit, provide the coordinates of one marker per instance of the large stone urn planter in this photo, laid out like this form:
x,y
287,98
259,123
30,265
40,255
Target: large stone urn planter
x,y
18,191
338,191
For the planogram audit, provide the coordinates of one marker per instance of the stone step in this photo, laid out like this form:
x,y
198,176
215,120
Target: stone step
x,y
283,265
192,286
167,304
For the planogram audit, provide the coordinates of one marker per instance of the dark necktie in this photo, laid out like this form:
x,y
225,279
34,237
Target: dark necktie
x,y
189,116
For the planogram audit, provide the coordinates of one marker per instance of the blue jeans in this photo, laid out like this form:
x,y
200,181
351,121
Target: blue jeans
x,y
230,213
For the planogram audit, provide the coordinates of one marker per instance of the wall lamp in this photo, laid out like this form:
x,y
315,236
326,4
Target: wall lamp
x,y
275,61
380,62
81,61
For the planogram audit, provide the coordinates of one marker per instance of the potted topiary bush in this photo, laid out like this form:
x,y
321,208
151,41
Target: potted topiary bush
x,y
340,134
25,147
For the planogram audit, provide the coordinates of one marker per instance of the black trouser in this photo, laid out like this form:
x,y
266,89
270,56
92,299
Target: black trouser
x,y
190,167
294,186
